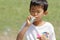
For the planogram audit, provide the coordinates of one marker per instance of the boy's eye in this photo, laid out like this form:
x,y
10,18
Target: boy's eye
x,y
33,11
38,11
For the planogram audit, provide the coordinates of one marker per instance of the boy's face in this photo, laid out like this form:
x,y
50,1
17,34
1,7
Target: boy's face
x,y
37,11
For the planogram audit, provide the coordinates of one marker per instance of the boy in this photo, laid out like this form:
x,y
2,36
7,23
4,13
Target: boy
x,y
39,29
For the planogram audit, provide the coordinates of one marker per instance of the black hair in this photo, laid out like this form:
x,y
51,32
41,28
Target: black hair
x,y
43,3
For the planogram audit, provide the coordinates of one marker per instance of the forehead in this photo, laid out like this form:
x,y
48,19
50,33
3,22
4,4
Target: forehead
x,y
36,8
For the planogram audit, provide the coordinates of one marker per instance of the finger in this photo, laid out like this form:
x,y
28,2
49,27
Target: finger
x,y
28,19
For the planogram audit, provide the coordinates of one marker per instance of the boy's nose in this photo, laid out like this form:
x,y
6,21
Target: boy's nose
x,y
35,14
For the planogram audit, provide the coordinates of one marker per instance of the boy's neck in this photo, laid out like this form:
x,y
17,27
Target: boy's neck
x,y
38,23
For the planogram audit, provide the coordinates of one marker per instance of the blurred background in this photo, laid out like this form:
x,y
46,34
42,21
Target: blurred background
x,y
14,12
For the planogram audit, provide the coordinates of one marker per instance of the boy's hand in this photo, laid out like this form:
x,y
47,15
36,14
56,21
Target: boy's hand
x,y
28,23
43,37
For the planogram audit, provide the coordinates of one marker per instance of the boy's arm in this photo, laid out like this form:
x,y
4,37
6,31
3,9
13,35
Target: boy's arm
x,y
25,28
21,33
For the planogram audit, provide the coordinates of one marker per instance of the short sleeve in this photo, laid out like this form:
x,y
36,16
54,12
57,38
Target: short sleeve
x,y
52,33
22,26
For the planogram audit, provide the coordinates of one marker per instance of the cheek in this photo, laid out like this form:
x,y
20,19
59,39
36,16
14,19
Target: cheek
x,y
32,14
39,16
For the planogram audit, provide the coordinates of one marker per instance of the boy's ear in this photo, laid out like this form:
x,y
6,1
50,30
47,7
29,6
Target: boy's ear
x,y
46,12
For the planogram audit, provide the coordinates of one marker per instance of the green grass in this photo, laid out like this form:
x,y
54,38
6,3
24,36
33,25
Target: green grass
x,y
14,12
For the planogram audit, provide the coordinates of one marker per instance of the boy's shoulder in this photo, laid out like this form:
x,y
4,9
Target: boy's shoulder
x,y
49,25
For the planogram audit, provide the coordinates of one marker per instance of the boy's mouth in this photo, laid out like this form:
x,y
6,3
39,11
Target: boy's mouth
x,y
36,17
